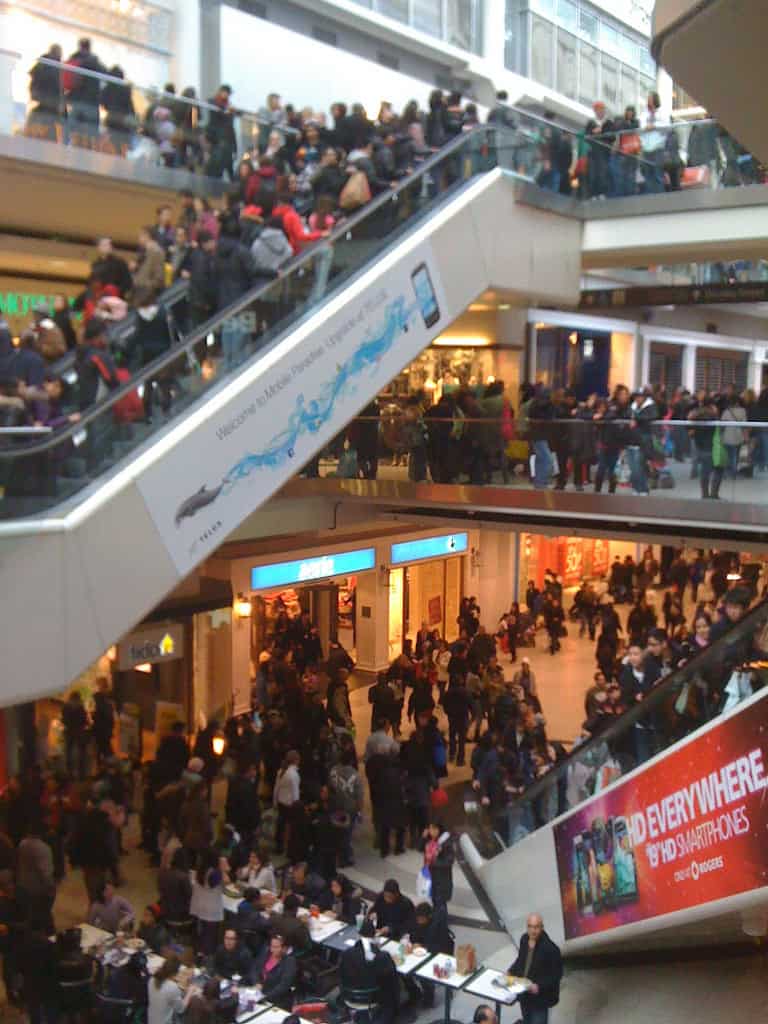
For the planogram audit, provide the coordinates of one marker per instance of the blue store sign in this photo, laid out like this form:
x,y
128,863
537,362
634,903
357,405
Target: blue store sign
x,y
307,570
430,547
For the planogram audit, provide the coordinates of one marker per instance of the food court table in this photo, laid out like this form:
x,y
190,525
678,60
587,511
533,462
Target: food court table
x,y
341,941
267,1015
410,962
451,984
322,928
492,985
91,936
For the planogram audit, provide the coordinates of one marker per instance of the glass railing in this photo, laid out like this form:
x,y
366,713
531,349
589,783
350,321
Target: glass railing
x,y
90,437
613,161
720,456
634,723
102,112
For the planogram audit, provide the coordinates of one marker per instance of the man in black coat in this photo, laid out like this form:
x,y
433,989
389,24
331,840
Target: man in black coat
x,y
539,961
392,914
242,808
366,968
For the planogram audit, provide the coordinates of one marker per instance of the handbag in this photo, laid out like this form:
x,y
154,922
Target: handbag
x,y
630,144
424,884
356,192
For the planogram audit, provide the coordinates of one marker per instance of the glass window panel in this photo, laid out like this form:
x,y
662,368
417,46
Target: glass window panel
x,y
609,84
588,91
542,58
510,34
397,9
566,64
568,13
543,6
461,23
647,63
628,92
588,26
428,16
609,37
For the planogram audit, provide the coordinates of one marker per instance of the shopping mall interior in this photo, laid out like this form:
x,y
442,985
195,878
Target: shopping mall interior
x,y
383,435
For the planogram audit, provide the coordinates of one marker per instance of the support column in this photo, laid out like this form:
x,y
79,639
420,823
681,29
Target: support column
x,y
689,367
187,47
241,643
372,620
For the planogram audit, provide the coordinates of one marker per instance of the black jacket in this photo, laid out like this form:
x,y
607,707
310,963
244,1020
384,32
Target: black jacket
x,y
278,984
398,917
228,962
113,270
355,972
385,780
85,88
89,375
546,971
457,704
45,86
233,271
435,936
242,808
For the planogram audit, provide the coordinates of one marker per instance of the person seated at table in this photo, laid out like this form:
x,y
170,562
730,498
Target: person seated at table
x,y
165,1000
233,957
128,982
290,926
485,1014
391,915
152,931
341,898
111,912
208,1006
258,872
366,968
275,972
303,884
251,923
432,933
74,975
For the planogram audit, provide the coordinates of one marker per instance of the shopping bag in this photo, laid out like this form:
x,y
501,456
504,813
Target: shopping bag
x,y
695,177
466,959
630,144
424,885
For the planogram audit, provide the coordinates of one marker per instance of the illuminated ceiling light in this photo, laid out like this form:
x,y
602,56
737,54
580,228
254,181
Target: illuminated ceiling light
x,y
218,743
471,341
733,577
573,338
143,667
540,325
505,305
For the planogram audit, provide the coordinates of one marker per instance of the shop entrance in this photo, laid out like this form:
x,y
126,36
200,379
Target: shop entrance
x,y
330,606
427,592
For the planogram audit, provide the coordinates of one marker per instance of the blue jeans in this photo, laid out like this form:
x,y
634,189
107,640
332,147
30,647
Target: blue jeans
x,y
550,180
638,470
732,451
606,467
540,1015
653,170
542,464
761,449
232,342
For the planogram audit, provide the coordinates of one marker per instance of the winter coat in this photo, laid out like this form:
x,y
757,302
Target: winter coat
x,y
385,781
149,279
233,272
441,871
734,435
346,788
270,251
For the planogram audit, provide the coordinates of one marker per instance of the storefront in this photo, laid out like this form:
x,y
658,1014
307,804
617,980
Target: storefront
x,y
587,355
325,586
573,559
425,586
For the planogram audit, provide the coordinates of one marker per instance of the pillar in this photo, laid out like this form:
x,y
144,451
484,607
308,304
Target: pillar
x,y
372,619
187,44
689,367
241,642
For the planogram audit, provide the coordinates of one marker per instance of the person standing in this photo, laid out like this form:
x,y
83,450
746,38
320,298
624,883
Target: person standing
x,y
35,884
600,135
457,703
75,721
84,94
286,793
539,961
220,135
103,721
44,120
438,860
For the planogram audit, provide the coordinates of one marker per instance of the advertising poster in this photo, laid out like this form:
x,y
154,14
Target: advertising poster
x,y
215,476
685,831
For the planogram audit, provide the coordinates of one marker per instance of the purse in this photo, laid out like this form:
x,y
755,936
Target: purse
x,y
630,144
356,192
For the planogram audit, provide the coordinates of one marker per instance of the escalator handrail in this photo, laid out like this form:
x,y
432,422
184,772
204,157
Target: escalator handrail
x,y
171,355
641,710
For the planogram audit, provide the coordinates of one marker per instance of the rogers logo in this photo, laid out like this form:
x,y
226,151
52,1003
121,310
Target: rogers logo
x,y
705,866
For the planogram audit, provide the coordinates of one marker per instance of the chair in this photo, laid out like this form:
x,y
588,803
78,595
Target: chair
x,y
110,1010
316,975
182,931
360,1000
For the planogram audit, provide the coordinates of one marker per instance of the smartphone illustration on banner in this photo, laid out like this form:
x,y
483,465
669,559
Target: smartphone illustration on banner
x,y
425,293
624,862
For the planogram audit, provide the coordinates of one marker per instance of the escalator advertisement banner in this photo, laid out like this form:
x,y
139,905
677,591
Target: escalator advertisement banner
x,y
686,830
284,408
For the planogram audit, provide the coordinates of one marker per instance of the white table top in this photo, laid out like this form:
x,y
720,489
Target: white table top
x,y
482,985
230,903
410,963
257,1010
91,936
454,980
273,1015
154,962
321,928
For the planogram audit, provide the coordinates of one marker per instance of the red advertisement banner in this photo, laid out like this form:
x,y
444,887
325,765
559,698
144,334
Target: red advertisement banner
x,y
687,830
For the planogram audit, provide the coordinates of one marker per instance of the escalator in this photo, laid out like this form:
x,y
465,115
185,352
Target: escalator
x,y
102,518
651,831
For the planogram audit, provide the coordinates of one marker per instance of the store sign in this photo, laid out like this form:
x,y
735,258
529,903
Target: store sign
x,y
307,570
430,547
151,646
674,295
684,831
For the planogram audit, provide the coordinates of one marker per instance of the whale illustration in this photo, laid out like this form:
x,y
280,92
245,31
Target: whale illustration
x,y
192,505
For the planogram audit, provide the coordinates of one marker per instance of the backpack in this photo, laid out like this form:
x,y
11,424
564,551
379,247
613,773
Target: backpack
x,y
130,407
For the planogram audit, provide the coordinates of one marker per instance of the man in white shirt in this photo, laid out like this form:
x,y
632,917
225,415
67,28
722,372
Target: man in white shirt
x,y
654,122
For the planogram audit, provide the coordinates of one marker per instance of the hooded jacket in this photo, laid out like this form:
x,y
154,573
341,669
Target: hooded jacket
x,y
270,251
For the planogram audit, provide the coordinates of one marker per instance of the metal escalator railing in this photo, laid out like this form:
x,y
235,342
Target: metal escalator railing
x,y
35,476
717,679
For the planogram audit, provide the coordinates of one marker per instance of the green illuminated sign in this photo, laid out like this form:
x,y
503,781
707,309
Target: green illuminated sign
x,y
22,303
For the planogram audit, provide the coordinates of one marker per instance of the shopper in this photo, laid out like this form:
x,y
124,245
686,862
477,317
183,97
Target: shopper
x,y
539,961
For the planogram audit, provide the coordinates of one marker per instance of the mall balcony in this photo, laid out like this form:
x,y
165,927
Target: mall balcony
x,y
240,404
